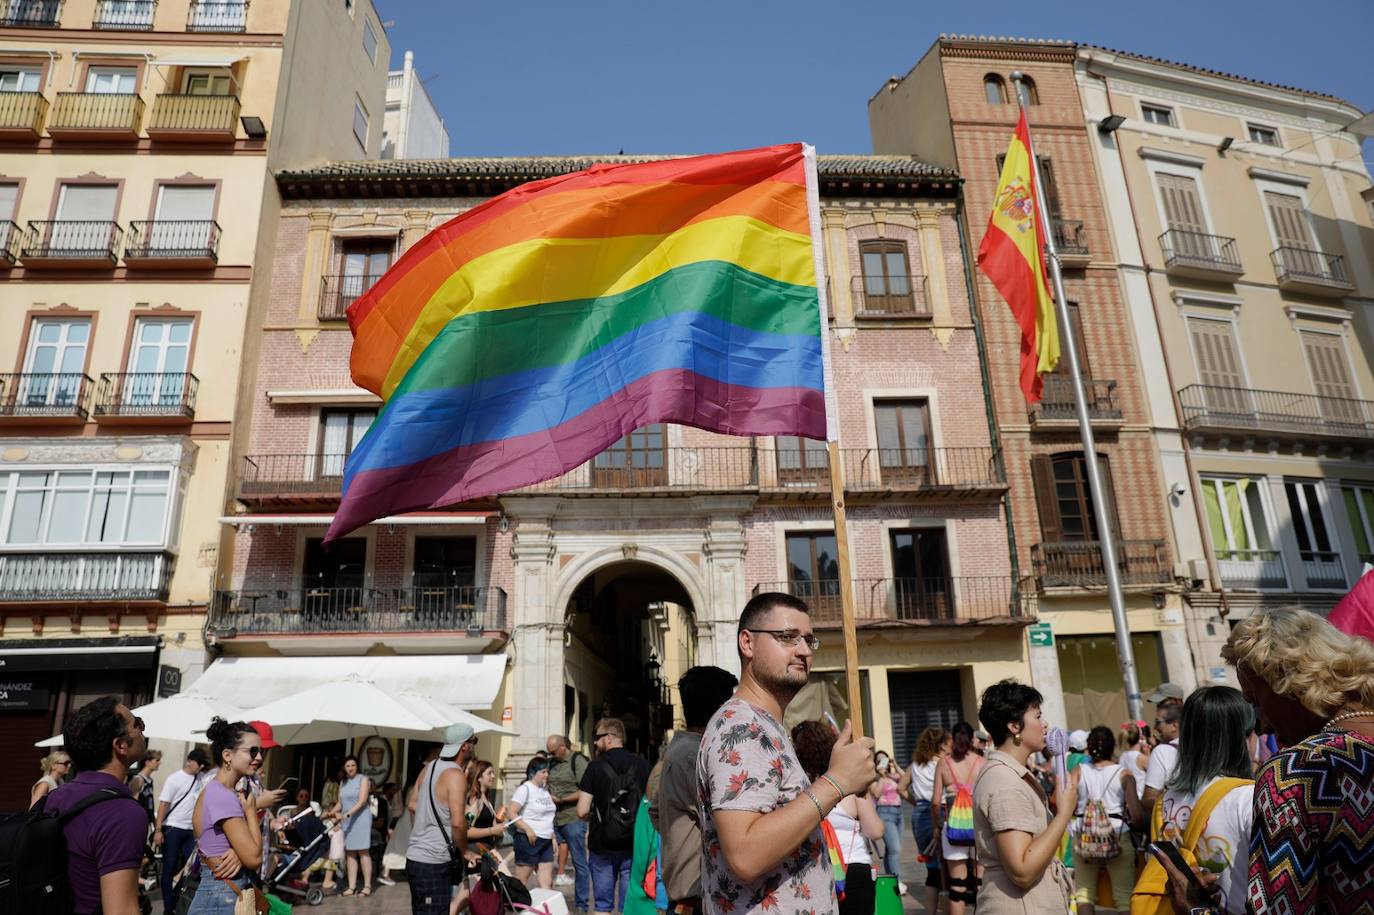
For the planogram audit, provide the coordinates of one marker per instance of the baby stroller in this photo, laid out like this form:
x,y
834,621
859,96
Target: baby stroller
x,y
495,893
307,839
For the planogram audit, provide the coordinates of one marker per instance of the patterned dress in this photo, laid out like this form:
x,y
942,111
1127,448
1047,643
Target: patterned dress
x,y
1312,849
746,762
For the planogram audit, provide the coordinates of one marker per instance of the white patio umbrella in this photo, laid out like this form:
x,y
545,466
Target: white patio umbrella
x,y
184,717
442,714
340,710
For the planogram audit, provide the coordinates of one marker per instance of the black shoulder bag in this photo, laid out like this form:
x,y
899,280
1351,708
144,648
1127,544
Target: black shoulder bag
x,y
457,864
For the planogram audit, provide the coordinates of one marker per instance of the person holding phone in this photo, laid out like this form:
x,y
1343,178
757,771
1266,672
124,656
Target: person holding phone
x,y
226,820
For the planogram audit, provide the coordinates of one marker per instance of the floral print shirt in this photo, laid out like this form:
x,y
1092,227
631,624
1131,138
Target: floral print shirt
x,y
747,762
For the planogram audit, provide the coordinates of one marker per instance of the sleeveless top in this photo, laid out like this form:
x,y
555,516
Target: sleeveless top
x,y
427,845
887,792
851,839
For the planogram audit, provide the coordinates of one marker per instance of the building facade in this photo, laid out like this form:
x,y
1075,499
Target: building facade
x,y
411,127
1244,248
136,142
958,108
596,590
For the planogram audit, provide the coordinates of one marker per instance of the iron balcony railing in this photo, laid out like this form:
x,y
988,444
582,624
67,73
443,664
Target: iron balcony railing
x,y
59,575
1215,407
1078,564
1251,570
927,600
890,297
167,394
337,292
125,15
1309,265
1323,569
881,469
299,475
74,239
181,113
31,14
1069,237
1198,250
218,16
11,237
444,608
116,112
173,239
23,111
709,467
1057,400
46,394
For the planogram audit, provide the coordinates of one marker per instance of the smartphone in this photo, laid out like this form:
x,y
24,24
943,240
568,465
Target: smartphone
x,y
1170,850
289,780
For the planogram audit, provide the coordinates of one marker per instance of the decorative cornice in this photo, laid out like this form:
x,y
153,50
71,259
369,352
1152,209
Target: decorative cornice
x,y
1296,310
1169,155
1266,174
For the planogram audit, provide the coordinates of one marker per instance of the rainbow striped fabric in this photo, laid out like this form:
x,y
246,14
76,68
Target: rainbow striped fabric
x,y
528,334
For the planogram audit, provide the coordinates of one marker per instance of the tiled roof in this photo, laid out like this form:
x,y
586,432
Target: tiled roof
x,y
482,176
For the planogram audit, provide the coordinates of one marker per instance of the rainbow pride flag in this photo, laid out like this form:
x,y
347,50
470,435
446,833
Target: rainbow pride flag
x,y
525,336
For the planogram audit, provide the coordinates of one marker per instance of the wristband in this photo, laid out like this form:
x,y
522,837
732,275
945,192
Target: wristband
x,y
815,800
836,785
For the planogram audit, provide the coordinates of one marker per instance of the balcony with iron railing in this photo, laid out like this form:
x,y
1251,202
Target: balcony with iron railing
x,y
141,397
339,291
1078,564
934,601
22,115
1200,256
71,577
68,244
30,14
476,612
290,479
681,469
880,297
196,118
37,397
218,16
11,241
886,471
185,243
1251,570
1310,271
96,116
1280,414
124,15
1323,570
1071,241
1056,406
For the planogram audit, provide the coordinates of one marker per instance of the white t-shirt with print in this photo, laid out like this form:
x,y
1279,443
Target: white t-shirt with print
x,y
1163,762
537,808
1095,784
1224,848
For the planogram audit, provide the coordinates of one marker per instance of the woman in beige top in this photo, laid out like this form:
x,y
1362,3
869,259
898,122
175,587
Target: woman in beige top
x,y
1017,841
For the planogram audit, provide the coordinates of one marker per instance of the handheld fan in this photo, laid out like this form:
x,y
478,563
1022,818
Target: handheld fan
x,y
1057,743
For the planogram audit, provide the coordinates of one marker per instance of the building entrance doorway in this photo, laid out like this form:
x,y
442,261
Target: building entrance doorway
x,y
632,635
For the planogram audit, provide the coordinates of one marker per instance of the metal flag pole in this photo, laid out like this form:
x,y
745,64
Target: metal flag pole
x,y
1125,656
832,436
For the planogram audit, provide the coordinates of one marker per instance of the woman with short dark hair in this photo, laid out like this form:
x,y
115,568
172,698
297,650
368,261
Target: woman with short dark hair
x,y
1017,841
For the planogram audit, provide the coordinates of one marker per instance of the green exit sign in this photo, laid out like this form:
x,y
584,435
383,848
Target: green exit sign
x,y
1041,635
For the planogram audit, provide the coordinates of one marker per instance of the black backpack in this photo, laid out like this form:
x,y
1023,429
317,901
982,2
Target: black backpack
x,y
33,857
622,806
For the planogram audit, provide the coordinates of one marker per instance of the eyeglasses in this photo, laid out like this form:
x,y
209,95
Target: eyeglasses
x,y
253,752
788,638
600,737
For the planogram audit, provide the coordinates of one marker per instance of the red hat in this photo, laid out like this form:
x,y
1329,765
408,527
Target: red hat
x,y
265,732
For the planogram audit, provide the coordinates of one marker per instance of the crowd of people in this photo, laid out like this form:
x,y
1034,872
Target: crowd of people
x,y
1230,801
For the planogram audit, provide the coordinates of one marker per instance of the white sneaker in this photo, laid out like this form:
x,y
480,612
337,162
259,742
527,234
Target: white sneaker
x,y
901,888
386,881
563,880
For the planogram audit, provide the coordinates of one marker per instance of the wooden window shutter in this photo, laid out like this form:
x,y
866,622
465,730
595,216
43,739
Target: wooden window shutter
x,y
1217,362
1046,500
1182,206
1109,491
1290,220
1326,358
1076,326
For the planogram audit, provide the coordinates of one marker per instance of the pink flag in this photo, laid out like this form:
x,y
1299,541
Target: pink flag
x,y
1354,615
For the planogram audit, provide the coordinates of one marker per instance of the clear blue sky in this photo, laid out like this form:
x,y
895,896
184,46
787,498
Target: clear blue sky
x,y
542,78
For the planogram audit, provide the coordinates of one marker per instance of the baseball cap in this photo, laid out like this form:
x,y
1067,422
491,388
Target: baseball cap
x,y
1078,740
1165,692
265,732
455,735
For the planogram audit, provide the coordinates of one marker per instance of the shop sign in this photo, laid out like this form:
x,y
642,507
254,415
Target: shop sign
x,y
168,681
20,695
1041,635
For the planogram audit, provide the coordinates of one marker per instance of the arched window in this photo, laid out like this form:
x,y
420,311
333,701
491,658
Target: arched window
x,y
1028,94
994,90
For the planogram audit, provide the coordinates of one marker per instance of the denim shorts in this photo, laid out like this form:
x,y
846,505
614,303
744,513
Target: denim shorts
x,y
529,854
214,896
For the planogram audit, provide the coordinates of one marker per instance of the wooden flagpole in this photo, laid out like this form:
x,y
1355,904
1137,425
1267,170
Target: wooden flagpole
x,y
832,436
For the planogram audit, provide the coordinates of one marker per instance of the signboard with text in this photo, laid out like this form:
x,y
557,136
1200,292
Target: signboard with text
x,y
1041,635
23,695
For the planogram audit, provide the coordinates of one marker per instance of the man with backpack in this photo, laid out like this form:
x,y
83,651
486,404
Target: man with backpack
x,y
609,797
566,768
102,830
172,826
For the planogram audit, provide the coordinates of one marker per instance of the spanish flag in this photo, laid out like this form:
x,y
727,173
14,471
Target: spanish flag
x,y
1012,256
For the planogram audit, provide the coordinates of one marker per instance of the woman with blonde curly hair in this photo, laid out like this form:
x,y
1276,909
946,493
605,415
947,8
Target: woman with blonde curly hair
x,y
1314,686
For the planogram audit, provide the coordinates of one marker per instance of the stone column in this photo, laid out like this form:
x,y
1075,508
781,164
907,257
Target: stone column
x,y
537,632
1044,665
724,550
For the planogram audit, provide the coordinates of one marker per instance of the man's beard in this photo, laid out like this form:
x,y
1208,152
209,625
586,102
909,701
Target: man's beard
x,y
789,681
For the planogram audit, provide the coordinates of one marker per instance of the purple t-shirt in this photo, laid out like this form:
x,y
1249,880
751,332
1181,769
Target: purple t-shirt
x,y
218,804
103,839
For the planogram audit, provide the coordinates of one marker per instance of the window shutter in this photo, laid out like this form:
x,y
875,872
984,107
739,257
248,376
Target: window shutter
x,y
1046,503
1076,325
1182,206
1109,492
1290,220
1217,362
1331,376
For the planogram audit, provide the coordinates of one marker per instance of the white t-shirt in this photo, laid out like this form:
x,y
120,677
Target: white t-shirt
x,y
1163,762
1130,761
1103,785
536,808
1224,848
923,780
176,785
